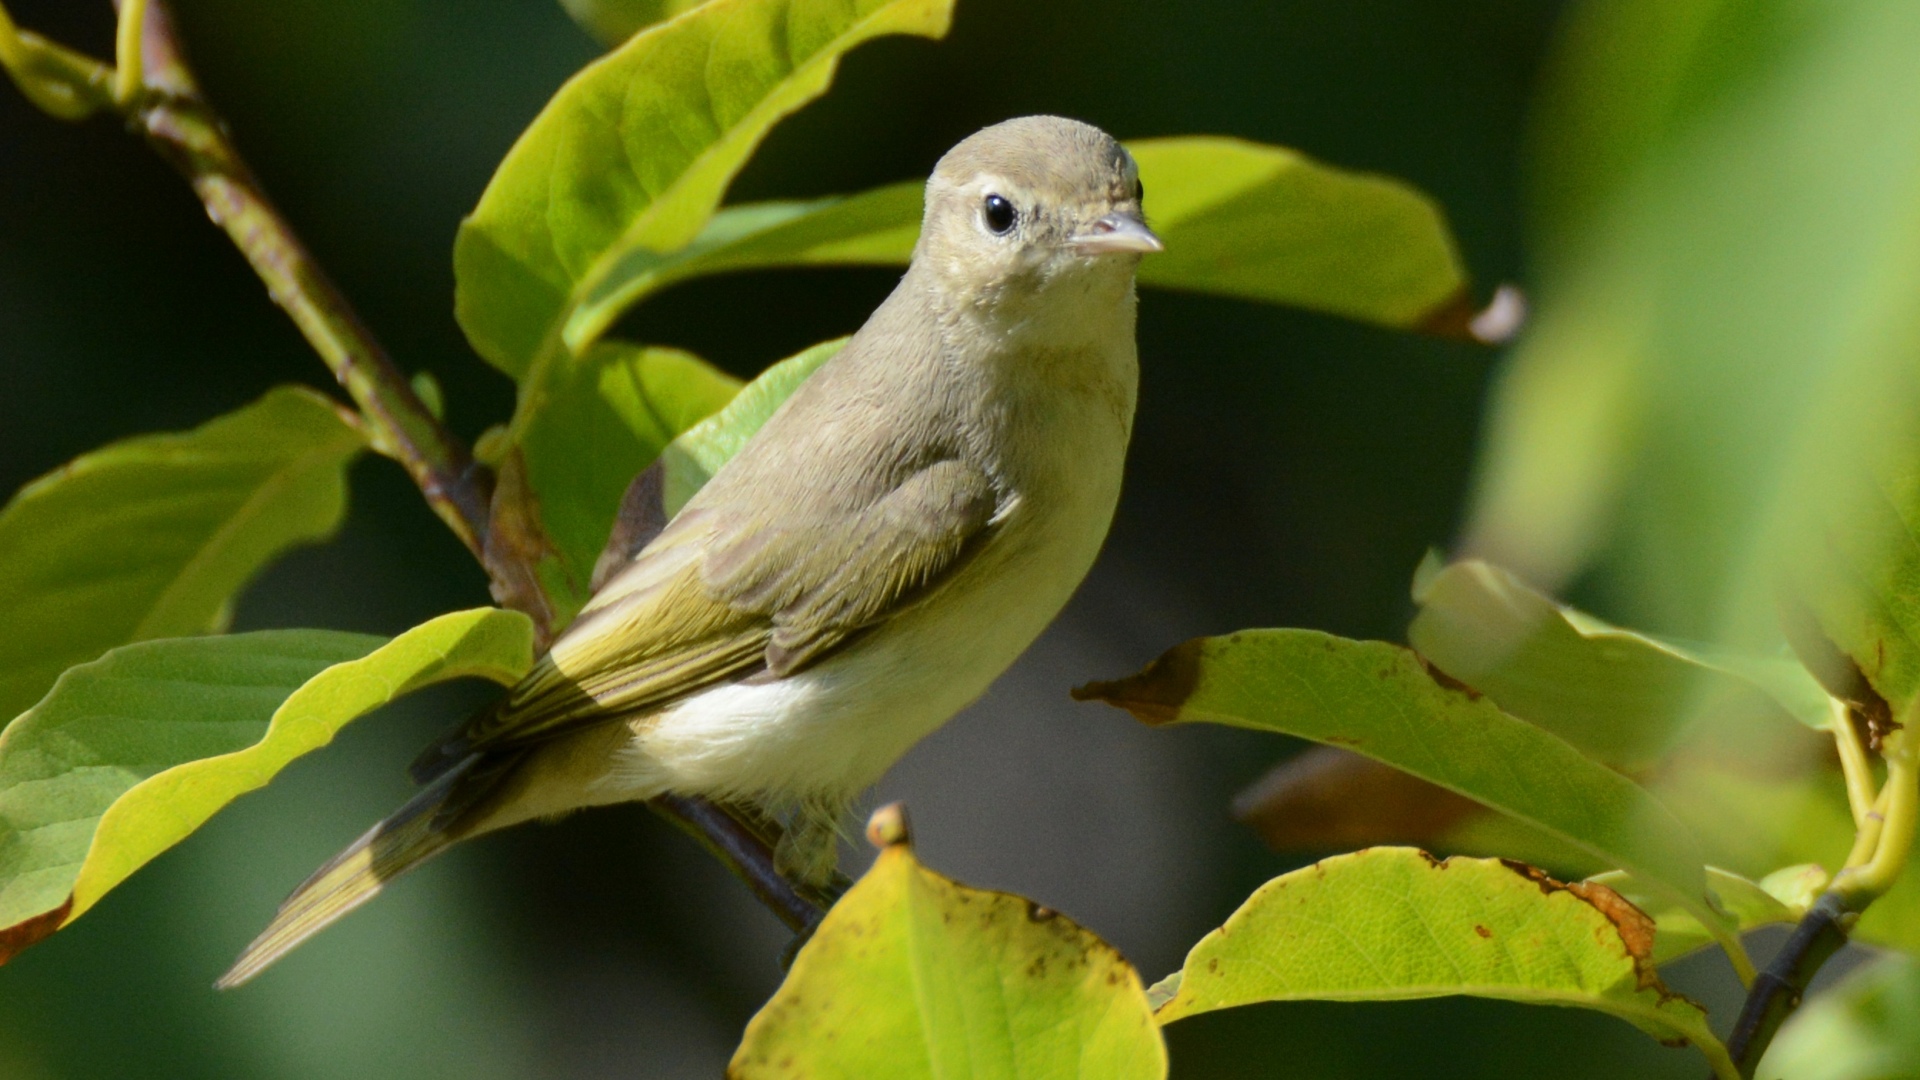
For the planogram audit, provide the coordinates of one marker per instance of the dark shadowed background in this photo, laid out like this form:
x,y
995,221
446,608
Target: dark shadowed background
x,y
1287,470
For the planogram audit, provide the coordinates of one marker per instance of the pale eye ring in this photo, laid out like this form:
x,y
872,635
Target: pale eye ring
x,y
999,215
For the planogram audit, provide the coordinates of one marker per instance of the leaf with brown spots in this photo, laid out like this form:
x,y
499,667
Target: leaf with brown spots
x,y
913,975
1388,924
1383,701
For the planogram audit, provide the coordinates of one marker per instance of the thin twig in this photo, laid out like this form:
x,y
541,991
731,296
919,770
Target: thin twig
x,y
177,121
1855,766
1778,990
749,854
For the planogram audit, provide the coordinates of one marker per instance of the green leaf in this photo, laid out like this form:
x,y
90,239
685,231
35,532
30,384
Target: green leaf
x,y
1379,700
874,228
637,150
912,975
1269,224
1782,897
1239,219
1388,924
608,415
692,459
153,536
1862,1029
1621,696
1697,394
614,21
131,753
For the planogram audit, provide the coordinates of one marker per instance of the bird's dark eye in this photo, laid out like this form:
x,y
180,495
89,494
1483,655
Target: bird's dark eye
x,y
1000,214
1139,191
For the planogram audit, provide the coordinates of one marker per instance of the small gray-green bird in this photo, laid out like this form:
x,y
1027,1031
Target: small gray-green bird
x,y
886,545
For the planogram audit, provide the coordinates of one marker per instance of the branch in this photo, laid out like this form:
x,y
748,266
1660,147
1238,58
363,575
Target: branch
x,y
1883,845
167,107
153,88
1778,990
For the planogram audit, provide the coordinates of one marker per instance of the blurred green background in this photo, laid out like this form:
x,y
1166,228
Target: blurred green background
x,y
1287,470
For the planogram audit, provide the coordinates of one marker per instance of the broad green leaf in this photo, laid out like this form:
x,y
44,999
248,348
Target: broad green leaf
x,y
1388,924
153,536
874,228
1862,1029
912,975
131,753
1380,700
614,21
692,459
1621,696
1265,223
607,416
1239,219
1728,310
1781,897
637,150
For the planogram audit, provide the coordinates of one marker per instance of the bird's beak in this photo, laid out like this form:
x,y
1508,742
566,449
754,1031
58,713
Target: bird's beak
x,y
1117,233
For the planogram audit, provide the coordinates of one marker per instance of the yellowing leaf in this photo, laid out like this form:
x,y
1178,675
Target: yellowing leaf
x,y
1388,924
914,976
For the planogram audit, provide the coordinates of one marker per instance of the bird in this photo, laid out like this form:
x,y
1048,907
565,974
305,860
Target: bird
x,y
888,543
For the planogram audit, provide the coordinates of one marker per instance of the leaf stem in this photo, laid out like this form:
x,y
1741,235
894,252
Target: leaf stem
x,y
1854,763
129,73
1882,849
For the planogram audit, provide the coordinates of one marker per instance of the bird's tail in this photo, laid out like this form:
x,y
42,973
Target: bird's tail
x,y
410,836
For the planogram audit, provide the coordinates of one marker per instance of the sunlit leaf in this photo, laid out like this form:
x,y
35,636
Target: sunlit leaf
x,y
153,536
1618,695
637,150
1239,219
614,21
693,458
1389,924
607,415
130,754
1379,700
1862,1029
913,975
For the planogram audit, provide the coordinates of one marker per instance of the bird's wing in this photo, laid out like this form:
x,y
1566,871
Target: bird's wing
x,y
714,598
819,581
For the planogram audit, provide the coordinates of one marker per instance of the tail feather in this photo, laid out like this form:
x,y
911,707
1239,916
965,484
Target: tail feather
x,y
412,835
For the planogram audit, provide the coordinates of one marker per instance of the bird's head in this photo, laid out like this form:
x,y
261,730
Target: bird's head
x,y
1026,207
